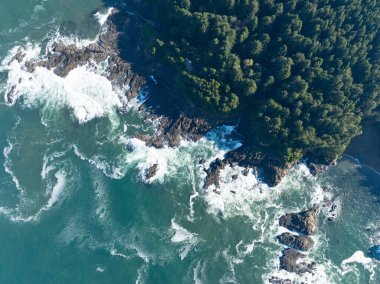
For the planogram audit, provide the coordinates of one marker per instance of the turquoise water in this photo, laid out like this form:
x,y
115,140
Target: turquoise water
x,y
75,208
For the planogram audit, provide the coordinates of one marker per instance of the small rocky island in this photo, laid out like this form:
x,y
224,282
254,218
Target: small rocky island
x,y
302,225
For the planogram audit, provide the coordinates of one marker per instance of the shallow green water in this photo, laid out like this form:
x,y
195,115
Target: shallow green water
x,y
74,208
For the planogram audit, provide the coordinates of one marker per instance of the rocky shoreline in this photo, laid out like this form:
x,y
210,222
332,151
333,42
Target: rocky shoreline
x,y
175,121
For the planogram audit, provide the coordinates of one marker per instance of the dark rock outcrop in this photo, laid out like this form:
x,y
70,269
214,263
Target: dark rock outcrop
x,y
303,243
171,133
151,171
291,262
304,222
213,173
374,252
63,58
271,168
316,169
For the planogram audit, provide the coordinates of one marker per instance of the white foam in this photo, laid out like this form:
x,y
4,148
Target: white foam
x,y
101,198
102,17
86,94
181,235
199,273
46,166
67,40
114,252
85,90
148,156
54,194
100,269
100,164
191,206
357,257
57,190
235,196
141,273
229,276
244,250
222,138
8,166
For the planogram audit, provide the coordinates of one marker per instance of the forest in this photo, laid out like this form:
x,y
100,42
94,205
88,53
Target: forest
x,y
304,74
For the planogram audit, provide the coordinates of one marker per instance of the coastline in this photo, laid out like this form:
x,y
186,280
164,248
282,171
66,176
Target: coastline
x,y
112,180
119,44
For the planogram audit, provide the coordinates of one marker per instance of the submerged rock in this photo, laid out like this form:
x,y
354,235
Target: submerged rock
x,y
290,261
374,252
303,243
304,222
151,171
277,280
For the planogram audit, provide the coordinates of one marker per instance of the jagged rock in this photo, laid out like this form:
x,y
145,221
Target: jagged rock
x,y
304,222
11,95
374,252
151,171
143,137
303,243
277,280
191,129
19,56
213,173
66,57
290,261
316,169
272,169
274,172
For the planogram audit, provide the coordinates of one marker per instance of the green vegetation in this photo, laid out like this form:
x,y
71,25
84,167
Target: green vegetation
x,y
304,73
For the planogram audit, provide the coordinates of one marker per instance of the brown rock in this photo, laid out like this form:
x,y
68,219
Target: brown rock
x,y
213,173
290,261
303,243
304,222
151,171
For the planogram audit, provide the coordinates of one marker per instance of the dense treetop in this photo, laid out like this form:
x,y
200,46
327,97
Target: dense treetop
x,y
305,73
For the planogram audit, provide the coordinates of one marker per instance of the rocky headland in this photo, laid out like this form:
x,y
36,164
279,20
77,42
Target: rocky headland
x,y
177,118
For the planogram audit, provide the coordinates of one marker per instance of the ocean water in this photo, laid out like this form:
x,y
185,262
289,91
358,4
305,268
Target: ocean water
x,y
75,206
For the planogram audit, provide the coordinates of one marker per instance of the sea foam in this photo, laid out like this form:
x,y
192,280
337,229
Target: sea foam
x,y
102,17
181,235
85,93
